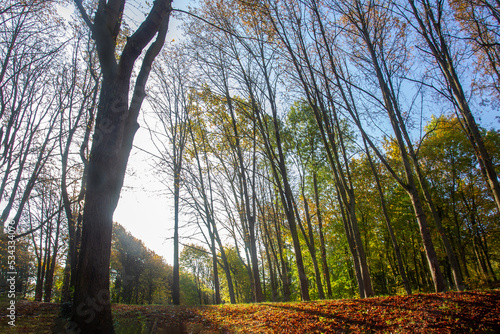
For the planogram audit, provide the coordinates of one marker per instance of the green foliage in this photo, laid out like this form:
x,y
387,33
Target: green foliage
x,y
464,202
191,293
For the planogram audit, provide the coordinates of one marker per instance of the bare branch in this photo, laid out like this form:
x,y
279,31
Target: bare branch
x,y
84,14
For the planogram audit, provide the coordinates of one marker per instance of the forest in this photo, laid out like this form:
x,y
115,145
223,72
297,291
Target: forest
x,y
311,150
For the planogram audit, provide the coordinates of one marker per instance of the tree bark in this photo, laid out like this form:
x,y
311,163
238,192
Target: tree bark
x,y
116,124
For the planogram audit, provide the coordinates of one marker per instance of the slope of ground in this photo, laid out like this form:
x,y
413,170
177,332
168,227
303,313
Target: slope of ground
x,y
452,312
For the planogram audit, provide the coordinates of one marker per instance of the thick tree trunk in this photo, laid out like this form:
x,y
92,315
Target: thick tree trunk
x,y
92,307
116,124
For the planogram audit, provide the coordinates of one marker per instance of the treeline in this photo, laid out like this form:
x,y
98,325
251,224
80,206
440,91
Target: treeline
x,y
313,150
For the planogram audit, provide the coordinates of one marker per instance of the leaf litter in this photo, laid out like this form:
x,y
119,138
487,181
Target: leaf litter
x,y
450,312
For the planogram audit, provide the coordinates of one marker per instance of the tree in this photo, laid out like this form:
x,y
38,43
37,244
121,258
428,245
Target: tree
x,y
197,261
138,274
480,23
79,86
312,76
395,245
45,212
306,145
171,101
467,208
216,63
28,103
372,26
428,22
116,124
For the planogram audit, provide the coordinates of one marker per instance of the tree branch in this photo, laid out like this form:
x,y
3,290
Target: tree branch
x,y
84,14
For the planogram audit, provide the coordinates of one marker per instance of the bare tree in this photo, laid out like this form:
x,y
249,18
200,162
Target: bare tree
x,y
79,86
27,99
171,101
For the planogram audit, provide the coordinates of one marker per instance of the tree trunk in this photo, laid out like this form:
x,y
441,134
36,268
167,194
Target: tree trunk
x,y
324,263
353,251
433,33
49,280
176,293
395,245
309,238
215,269
65,290
116,124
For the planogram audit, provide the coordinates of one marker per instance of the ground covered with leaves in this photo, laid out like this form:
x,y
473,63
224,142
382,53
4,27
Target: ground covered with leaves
x,y
452,312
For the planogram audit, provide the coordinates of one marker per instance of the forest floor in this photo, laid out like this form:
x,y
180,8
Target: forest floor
x,y
451,312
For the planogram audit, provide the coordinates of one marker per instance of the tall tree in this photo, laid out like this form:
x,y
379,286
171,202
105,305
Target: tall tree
x,y
116,124
372,27
28,103
312,76
79,85
219,52
171,102
395,245
306,145
428,21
